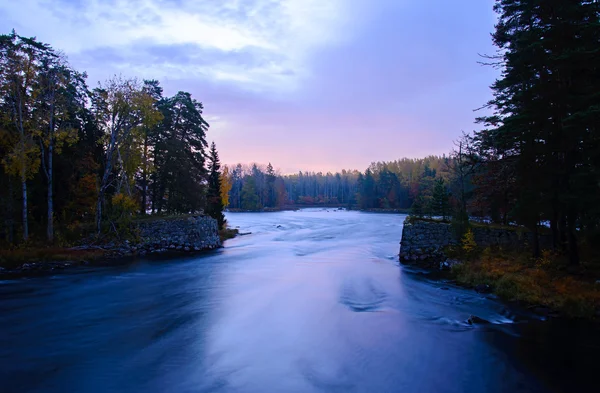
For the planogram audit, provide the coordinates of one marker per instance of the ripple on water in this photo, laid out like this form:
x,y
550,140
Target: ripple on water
x,y
362,296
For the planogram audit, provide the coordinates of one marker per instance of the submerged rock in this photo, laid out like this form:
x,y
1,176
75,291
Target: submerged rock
x,y
475,320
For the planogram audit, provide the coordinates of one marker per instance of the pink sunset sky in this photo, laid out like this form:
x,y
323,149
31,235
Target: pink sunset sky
x,y
304,84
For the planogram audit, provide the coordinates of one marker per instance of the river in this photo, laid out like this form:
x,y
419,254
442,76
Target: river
x,y
310,301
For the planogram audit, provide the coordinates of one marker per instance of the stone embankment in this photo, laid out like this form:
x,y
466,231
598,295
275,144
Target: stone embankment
x,y
425,240
184,234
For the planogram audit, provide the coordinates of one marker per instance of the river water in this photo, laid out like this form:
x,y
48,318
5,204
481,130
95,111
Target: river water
x,y
311,301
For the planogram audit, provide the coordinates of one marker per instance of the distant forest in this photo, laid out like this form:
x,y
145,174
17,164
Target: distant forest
x,y
384,185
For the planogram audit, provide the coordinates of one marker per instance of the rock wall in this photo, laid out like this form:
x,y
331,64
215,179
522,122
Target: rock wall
x,y
425,240
184,234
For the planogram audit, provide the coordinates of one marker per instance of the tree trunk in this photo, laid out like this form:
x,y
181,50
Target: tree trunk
x,y
23,172
50,228
105,176
10,221
572,239
536,242
562,232
144,177
24,190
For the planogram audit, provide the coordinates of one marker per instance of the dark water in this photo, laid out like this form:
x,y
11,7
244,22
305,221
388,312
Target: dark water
x,y
318,304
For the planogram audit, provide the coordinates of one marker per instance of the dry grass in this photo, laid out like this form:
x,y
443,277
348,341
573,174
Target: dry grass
x,y
545,281
228,233
17,257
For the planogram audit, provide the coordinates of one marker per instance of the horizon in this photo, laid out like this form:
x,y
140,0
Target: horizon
x,y
305,85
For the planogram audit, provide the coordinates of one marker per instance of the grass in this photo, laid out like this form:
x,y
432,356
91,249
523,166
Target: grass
x,y
16,257
546,281
228,233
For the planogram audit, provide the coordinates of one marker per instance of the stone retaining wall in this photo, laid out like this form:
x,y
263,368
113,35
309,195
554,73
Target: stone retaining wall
x,y
425,240
184,234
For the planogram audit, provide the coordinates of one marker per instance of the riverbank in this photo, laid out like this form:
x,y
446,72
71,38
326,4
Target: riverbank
x,y
150,235
546,285
498,259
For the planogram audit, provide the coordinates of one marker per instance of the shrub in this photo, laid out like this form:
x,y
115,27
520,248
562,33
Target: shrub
x,y
468,242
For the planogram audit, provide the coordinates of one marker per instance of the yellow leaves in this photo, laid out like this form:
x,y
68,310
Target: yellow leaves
x,y
468,242
64,137
22,157
226,184
124,202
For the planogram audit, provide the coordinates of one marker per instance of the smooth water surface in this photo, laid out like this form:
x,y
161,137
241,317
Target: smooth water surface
x,y
311,301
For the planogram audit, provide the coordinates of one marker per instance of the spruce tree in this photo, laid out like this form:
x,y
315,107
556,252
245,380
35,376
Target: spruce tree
x,y
543,131
214,202
440,200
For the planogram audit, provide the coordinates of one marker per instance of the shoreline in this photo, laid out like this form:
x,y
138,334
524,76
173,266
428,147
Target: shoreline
x,y
57,263
331,207
450,276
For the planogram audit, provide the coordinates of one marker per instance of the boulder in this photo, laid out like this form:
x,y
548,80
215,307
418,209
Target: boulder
x,y
475,320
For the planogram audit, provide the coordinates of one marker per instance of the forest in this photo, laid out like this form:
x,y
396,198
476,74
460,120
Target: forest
x,y
77,157
384,185
78,160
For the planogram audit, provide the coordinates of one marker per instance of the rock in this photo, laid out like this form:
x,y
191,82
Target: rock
x,y
444,288
475,320
448,264
483,288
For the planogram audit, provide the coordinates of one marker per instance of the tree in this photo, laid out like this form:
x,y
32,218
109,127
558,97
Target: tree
x,y
214,202
121,107
20,60
440,199
179,156
271,194
62,92
418,207
226,185
249,198
151,136
546,109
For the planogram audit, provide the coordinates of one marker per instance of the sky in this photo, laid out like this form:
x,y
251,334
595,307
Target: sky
x,y
318,85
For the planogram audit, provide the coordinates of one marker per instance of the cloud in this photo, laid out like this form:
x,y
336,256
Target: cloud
x,y
256,44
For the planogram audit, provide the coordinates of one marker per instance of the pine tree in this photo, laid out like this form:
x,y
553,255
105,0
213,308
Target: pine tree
x,y
249,199
418,207
214,202
546,109
440,200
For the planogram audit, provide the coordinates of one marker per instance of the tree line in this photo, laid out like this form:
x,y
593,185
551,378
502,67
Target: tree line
x,y
72,155
384,185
